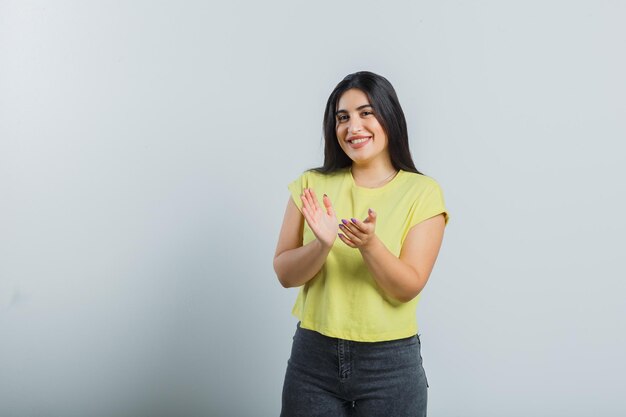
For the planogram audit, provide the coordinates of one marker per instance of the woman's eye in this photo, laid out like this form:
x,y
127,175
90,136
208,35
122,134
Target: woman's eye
x,y
367,113
342,118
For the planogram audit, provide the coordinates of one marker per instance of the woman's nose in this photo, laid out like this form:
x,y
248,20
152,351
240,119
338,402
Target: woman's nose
x,y
355,126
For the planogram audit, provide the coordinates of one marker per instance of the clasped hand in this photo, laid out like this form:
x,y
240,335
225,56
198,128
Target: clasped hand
x,y
325,227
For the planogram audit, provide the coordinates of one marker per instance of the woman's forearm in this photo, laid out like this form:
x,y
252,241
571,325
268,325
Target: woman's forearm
x,y
394,276
295,267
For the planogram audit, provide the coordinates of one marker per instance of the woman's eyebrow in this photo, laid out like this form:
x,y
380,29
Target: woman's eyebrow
x,y
358,108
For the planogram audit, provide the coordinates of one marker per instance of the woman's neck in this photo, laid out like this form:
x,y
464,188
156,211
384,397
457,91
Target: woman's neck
x,y
373,175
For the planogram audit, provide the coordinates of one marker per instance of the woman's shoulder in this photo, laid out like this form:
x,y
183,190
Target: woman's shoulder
x,y
312,178
420,181
313,173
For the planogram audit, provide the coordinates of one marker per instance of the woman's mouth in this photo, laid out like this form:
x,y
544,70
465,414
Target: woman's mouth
x,y
359,142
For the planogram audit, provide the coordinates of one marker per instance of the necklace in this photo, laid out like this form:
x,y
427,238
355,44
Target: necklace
x,y
393,174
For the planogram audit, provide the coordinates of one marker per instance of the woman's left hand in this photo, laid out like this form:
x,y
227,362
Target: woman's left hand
x,y
358,234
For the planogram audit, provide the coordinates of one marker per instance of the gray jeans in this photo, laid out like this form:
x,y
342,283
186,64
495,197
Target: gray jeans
x,y
333,377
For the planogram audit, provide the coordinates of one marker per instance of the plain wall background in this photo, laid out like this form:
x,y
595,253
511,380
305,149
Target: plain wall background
x,y
145,150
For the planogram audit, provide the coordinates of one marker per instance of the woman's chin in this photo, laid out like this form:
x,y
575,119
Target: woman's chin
x,y
360,159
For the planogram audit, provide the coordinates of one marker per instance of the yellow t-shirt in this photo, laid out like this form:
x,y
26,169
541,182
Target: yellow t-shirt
x,y
343,299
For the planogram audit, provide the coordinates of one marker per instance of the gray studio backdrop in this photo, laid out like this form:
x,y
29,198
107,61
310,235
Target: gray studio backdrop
x,y
145,150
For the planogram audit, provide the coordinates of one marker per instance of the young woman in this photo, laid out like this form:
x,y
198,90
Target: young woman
x,y
361,255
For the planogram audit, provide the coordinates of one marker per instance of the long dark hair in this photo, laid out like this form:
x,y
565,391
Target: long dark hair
x,y
387,111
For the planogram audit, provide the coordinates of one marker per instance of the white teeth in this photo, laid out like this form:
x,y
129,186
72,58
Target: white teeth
x,y
359,140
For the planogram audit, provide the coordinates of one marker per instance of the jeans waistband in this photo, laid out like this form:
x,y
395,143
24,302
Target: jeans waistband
x,y
321,338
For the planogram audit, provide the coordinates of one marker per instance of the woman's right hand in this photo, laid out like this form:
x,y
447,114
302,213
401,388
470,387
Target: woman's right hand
x,y
322,221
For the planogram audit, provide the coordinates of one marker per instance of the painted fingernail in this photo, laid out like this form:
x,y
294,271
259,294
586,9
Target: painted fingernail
x,y
344,221
353,220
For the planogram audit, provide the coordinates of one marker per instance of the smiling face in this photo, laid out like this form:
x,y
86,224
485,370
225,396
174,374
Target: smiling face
x,y
359,133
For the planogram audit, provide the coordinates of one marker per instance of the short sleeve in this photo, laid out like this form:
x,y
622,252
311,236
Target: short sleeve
x,y
428,204
296,187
